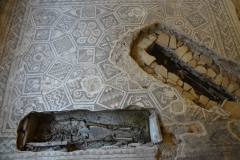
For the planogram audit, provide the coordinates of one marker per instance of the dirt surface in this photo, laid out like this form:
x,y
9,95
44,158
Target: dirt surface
x,y
237,6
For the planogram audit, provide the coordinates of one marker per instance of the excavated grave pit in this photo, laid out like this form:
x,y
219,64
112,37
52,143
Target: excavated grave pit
x,y
81,130
163,54
201,84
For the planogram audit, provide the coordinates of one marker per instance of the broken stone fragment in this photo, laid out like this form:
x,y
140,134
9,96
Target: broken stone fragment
x,y
201,62
186,87
225,74
201,69
188,96
161,78
223,103
153,64
210,104
181,51
171,83
207,59
180,83
173,42
194,94
148,69
211,73
232,87
197,52
187,57
225,82
218,79
173,77
203,100
147,42
152,37
237,93
179,44
146,58
163,39
196,57
155,131
215,68
161,70
192,63
179,88
142,45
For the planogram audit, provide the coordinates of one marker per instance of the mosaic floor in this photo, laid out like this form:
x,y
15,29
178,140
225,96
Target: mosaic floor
x,y
56,57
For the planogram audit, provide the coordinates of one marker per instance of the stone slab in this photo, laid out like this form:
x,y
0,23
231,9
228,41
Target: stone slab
x,y
218,79
163,39
237,93
201,69
211,73
186,86
215,68
232,87
192,63
179,88
148,70
188,96
173,42
171,82
146,58
152,37
161,70
187,57
207,59
192,92
203,100
210,104
196,57
147,42
173,77
180,83
225,82
201,62
181,50
153,64
142,45
179,44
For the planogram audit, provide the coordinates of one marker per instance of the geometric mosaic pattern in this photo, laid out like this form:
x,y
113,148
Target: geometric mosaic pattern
x,y
59,70
56,56
57,99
